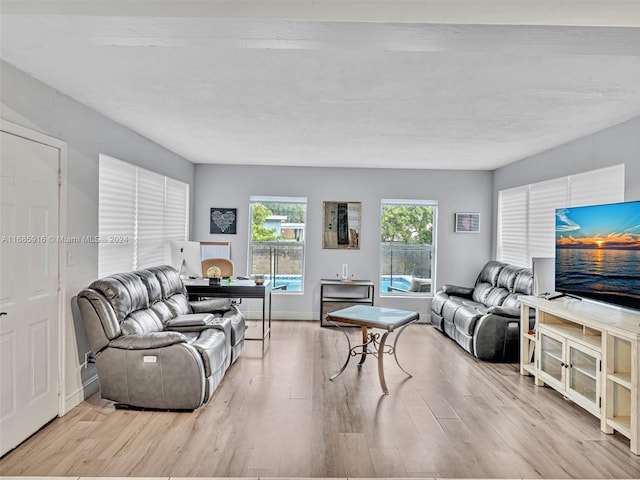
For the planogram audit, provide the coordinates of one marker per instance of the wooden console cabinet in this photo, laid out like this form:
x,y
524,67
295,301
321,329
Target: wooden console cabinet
x,y
589,353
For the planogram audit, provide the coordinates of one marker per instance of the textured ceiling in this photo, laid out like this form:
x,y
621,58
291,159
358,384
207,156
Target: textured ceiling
x,y
324,89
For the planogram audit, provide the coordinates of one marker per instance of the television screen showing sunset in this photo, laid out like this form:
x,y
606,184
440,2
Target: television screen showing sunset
x,y
598,252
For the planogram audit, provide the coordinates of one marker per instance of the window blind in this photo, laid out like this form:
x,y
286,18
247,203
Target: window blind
x,y
544,198
535,205
605,185
176,211
116,216
513,226
151,238
146,208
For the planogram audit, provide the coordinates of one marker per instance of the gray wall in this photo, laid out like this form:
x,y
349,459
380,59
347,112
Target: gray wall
x,y
612,146
32,104
459,257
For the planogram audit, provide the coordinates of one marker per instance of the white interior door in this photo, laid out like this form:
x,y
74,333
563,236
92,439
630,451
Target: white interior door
x,y
29,368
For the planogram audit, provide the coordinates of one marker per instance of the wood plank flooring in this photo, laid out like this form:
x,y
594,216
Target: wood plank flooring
x,y
278,415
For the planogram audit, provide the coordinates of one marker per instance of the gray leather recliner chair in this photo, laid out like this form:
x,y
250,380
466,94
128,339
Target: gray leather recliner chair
x,y
153,348
485,319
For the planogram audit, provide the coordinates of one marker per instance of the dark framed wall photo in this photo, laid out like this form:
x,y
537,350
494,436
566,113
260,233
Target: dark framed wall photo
x,y
467,222
223,220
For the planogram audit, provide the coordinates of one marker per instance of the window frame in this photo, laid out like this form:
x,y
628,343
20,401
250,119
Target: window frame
x,y
253,199
416,203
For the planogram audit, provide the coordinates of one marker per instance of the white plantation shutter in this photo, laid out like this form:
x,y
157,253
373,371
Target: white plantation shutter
x,y
537,202
512,226
544,198
597,187
116,217
147,208
176,212
151,242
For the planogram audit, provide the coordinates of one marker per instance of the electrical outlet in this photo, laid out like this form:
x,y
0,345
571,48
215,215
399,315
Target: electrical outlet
x,y
87,356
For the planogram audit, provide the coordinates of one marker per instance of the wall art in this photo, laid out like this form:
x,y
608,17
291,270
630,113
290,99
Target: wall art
x,y
223,220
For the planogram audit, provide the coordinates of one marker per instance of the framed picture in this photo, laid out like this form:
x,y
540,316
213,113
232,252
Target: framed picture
x,y
467,223
223,220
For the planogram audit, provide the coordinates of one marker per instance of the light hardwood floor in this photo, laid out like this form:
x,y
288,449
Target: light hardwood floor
x,y
278,415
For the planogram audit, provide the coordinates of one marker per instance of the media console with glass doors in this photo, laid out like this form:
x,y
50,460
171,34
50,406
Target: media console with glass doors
x,y
589,352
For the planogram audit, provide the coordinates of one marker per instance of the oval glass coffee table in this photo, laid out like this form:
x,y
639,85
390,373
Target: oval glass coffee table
x,y
365,316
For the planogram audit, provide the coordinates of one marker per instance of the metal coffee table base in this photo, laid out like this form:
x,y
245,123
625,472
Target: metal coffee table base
x,y
372,344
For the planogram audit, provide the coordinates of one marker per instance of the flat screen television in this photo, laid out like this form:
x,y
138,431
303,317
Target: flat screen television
x,y
598,253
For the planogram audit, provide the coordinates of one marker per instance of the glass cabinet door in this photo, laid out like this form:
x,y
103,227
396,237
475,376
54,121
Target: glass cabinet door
x,y
583,373
551,357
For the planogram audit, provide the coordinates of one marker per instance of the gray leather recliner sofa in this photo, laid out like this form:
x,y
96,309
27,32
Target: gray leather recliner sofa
x,y
153,348
485,319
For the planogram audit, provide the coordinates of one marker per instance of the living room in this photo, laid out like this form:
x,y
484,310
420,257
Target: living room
x,y
32,104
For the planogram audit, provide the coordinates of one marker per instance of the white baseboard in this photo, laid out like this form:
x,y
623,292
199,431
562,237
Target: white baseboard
x,y
74,399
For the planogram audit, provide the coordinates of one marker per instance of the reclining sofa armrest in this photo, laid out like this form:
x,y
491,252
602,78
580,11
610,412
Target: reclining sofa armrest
x,y
145,341
210,305
497,338
511,312
189,320
458,290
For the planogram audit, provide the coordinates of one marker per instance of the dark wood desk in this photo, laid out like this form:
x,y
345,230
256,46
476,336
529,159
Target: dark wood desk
x,y
199,287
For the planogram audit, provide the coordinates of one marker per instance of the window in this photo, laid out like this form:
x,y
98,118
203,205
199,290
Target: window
x,y
139,213
407,244
526,214
277,240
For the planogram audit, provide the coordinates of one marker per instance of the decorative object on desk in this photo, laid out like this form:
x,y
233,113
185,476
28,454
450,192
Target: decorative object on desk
x,y
214,275
224,267
258,279
467,223
341,225
223,220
